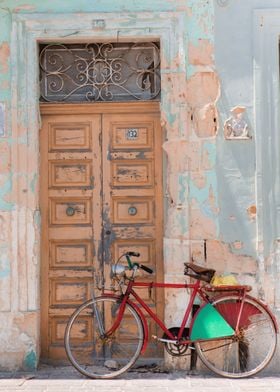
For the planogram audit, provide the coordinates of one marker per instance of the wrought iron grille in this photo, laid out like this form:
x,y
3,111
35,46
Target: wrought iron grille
x,y
100,72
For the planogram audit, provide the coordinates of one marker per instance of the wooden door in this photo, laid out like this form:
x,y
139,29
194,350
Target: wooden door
x,y
101,194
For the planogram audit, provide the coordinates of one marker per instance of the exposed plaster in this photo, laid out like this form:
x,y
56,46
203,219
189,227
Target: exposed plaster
x,y
221,257
24,7
203,89
17,340
4,57
201,53
203,93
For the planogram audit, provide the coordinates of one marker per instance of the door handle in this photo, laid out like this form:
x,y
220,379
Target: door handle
x,y
70,211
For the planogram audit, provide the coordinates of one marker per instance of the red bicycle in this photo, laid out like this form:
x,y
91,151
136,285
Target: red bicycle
x,y
234,334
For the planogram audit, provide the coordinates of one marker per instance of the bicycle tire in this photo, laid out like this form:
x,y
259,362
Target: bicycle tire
x,y
107,356
249,352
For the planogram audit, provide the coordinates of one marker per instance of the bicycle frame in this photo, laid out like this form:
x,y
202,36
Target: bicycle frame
x,y
196,288
227,314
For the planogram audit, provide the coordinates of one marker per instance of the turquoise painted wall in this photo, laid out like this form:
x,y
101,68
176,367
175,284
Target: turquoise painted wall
x,y
236,162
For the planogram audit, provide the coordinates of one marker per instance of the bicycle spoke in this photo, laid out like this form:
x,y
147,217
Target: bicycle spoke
x,y
103,356
253,347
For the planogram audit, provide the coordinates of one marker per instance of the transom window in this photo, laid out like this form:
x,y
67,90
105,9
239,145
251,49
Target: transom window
x,y
99,72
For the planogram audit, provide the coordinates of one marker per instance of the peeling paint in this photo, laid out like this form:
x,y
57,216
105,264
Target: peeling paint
x,y
221,257
202,53
24,7
34,183
3,229
209,155
203,89
4,57
5,189
4,267
203,187
30,360
237,245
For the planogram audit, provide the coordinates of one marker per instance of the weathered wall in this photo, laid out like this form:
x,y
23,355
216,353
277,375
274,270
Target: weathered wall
x,y
246,186
210,208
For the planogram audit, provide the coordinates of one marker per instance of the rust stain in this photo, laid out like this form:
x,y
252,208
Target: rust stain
x,y
252,211
201,54
4,57
237,245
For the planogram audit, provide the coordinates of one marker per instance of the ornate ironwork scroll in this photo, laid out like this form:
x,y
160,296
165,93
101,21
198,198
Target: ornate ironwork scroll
x,y
100,72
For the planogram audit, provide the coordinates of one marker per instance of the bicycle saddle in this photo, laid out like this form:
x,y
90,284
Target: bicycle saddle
x,y
200,273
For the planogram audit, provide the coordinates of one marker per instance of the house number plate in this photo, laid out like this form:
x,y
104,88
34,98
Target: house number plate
x,y
132,134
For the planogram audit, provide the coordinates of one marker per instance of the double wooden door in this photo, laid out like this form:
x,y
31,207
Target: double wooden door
x,y
101,194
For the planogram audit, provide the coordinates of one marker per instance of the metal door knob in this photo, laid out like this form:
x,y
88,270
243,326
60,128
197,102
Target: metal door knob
x,y
70,211
132,211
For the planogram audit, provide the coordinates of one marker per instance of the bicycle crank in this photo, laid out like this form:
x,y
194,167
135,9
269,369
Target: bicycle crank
x,y
175,348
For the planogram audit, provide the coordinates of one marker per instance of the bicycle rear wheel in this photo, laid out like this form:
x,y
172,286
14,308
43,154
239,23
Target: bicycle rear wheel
x,y
100,354
250,350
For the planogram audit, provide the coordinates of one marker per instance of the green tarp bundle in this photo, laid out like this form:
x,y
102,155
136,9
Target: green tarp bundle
x,y
209,324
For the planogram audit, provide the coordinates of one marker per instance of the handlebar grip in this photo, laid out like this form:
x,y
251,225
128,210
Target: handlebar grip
x,y
135,254
147,269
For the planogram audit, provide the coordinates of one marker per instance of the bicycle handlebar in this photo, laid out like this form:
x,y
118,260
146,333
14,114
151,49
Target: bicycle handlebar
x,y
135,254
131,265
145,268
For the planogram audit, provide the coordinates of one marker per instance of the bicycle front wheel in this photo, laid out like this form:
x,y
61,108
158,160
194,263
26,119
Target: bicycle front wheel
x,y
250,350
93,349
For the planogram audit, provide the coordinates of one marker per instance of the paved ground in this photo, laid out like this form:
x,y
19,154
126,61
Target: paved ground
x,y
48,379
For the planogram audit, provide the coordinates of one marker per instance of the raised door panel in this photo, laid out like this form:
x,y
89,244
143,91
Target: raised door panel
x,y
133,210
70,253
132,135
70,211
70,135
134,173
69,173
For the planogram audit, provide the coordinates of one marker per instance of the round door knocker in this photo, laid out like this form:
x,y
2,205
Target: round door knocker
x,y
132,211
70,211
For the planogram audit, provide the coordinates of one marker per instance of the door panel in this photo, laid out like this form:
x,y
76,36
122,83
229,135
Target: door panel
x,y
132,196
71,221
101,195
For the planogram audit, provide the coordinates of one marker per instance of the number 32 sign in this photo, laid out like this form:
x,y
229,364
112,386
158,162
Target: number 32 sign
x,y
132,134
